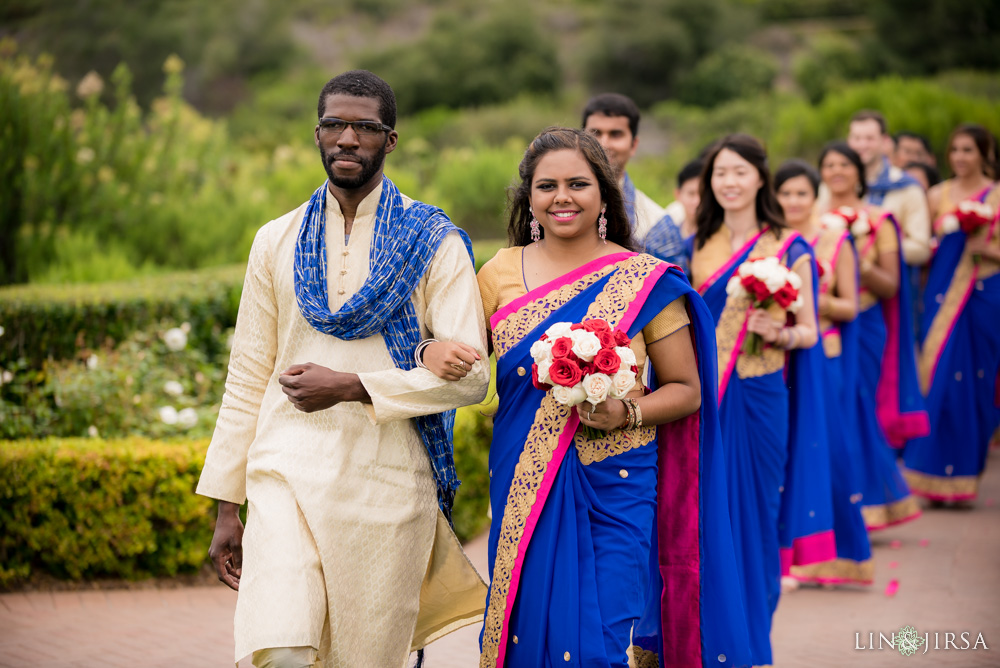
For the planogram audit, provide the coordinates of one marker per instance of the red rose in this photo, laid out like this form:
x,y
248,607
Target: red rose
x,y
535,381
586,369
786,295
621,338
607,361
635,369
562,347
970,221
596,326
606,338
577,326
755,287
543,337
565,373
820,270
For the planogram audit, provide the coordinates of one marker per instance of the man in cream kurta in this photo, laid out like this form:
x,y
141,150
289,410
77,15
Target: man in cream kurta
x,y
345,550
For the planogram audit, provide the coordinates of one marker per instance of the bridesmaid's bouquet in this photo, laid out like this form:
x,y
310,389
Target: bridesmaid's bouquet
x,y
846,217
585,361
765,281
970,216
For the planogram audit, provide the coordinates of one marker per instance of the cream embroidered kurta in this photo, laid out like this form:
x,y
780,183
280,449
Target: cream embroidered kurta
x,y
344,543
647,214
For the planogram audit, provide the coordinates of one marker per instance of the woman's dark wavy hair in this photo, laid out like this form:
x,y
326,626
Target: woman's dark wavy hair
x,y
710,213
852,156
985,144
560,139
791,168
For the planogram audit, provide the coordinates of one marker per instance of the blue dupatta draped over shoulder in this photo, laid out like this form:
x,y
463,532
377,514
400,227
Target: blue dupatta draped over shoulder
x,y
589,536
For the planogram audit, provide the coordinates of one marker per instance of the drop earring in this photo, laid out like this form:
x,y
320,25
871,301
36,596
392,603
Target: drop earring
x,y
602,225
536,232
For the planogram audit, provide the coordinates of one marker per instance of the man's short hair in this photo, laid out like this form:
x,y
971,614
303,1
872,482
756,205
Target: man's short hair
x,y
905,134
692,170
871,115
613,104
361,83
931,173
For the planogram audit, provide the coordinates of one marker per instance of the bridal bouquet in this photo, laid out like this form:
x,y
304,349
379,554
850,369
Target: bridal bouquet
x,y
969,217
765,281
585,361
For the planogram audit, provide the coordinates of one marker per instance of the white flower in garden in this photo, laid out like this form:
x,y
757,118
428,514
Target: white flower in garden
x,y
627,356
543,372
175,339
949,224
173,388
92,362
92,431
2,330
90,84
186,327
559,329
569,396
6,377
187,418
168,414
622,383
597,386
541,350
585,344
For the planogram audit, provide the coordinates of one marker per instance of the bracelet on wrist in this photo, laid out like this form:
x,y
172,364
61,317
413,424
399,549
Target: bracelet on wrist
x,y
418,352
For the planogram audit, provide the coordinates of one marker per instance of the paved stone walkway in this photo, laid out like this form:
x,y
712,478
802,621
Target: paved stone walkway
x,y
947,565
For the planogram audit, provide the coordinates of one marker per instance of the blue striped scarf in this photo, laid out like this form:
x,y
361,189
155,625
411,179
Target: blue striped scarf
x,y
628,190
403,245
884,184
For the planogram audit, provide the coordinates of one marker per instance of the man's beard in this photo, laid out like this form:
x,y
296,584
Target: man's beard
x,y
369,168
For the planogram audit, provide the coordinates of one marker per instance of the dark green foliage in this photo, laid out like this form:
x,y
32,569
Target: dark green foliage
x,y
470,60
473,432
727,74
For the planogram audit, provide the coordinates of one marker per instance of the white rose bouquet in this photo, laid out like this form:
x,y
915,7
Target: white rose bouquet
x,y
765,281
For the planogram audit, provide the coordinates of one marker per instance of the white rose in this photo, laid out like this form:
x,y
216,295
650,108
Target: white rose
x,y
626,355
794,280
92,362
597,386
543,372
173,388
795,305
967,206
775,281
861,227
569,396
541,350
168,414
622,383
187,418
949,224
175,339
92,431
745,269
559,329
585,344
735,289
831,221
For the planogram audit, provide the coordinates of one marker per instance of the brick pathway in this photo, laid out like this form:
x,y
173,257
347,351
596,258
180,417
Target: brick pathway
x,y
947,564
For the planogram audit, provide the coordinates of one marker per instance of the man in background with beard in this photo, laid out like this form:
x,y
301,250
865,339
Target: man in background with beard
x,y
330,428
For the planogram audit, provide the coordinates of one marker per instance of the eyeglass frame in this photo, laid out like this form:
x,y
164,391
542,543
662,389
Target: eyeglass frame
x,y
353,125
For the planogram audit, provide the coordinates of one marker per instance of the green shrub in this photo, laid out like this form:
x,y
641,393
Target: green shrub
x,y
60,321
731,72
82,509
473,432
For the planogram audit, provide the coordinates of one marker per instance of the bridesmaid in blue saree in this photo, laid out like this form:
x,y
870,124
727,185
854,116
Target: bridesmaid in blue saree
x,y
599,544
960,343
890,410
773,427
797,186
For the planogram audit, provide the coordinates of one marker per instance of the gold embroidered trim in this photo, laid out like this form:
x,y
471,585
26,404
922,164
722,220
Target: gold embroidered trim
x,y
540,445
514,327
942,487
891,513
839,570
825,248
938,333
644,658
615,443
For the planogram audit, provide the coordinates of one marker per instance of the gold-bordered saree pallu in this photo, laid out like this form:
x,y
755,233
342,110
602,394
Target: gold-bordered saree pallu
x,y
958,366
774,430
591,538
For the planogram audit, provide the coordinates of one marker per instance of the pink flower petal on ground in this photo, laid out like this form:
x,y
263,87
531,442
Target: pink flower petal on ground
x,y
924,542
890,589
990,501
896,544
893,564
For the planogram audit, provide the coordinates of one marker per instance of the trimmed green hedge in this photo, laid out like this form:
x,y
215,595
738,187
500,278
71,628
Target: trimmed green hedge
x,y
80,509
58,321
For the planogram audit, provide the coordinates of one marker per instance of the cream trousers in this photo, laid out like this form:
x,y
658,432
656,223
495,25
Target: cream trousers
x,y
287,657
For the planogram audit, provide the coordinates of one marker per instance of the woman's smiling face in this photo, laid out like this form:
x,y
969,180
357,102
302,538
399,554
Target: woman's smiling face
x,y
735,181
565,196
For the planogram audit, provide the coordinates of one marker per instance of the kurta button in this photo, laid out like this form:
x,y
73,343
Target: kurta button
x,y
623,473
812,513
566,656
347,252
939,299
343,272
521,371
341,291
980,286
515,640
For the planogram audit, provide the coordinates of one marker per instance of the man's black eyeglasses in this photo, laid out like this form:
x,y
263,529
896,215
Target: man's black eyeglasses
x,y
335,126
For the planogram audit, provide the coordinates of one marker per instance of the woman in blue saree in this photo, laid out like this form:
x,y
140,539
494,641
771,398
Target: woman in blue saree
x,y
890,410
797,186
773,427
960,343
599,544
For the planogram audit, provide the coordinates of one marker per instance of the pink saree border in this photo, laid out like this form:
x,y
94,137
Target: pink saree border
x,y
711,280
811,549
565,279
